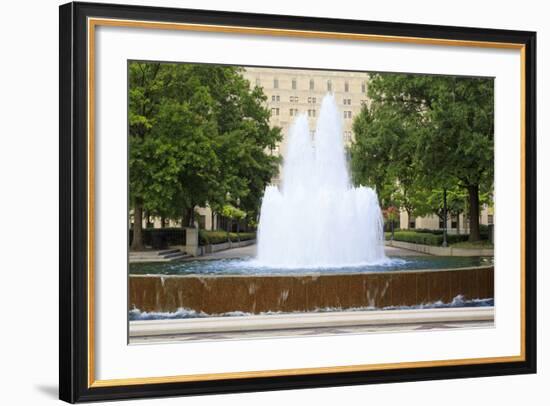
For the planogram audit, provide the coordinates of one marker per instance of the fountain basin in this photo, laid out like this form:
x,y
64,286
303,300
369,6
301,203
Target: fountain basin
x,y
307,292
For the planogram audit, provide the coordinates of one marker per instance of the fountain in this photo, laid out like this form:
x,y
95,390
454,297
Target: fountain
x,y
317,219
320,248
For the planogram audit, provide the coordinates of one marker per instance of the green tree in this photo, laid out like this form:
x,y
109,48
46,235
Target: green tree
x,y
146,157
197,134
460,142
426,133
233,213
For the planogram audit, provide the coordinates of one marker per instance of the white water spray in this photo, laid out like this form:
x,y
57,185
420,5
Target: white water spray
x,y
317,219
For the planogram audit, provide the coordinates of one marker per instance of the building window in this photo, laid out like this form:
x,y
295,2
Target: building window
x,y
347,102
363,87
346,86
275,111
412,222
454,221
311,84
311,100
364,102
258,83
293,112
441,223
294,84
329,85
294,99
347,114
311,113
490,219
278,98
275,83
347,136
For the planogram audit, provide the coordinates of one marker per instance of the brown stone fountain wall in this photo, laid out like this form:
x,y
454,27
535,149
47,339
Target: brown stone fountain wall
x,y
288,293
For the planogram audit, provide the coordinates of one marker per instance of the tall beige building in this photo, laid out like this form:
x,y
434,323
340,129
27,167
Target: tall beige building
x,y
294,91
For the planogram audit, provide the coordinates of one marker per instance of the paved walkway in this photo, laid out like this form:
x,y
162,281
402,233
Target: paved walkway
x,y
401,252
247,251
315,331
250,251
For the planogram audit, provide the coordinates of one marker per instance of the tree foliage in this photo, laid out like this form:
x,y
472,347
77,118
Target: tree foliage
x,y
422,134
197,134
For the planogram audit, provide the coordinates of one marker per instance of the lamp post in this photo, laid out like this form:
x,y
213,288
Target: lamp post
x,y
392,211
238,201
444,217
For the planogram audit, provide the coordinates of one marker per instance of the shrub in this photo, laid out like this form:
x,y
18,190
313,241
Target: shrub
x,y
242,236
171,235
176,236
453,238
219,237
484,231
427,230
212,237
426,238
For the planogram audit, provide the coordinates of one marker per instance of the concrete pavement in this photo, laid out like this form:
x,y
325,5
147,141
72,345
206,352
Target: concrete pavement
x,y
250,251
306,324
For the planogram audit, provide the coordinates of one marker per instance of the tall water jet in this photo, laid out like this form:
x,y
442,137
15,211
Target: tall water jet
x,y
317,219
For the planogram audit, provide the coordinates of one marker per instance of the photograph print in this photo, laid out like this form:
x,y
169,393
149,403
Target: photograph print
x,y
268,202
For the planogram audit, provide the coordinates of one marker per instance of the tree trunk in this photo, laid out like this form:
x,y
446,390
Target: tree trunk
x,y
188,218
444,218
473,195
137,240
409,219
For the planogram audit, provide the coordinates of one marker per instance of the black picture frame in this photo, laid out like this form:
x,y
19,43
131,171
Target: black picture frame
x,y
74,384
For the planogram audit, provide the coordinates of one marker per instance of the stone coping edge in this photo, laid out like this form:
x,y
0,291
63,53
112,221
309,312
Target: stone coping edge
x,y
140,328
442,251
311,274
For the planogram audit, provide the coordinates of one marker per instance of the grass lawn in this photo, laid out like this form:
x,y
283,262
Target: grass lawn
x,y
476,244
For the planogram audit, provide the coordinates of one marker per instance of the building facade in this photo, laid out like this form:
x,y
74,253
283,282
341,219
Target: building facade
x,y
455,225
291,92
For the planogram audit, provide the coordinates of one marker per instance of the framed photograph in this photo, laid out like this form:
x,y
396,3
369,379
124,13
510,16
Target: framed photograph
x,y
258,202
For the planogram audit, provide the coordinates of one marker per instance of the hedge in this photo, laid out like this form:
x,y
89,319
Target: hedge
x,y
171,235
176,236
426,238
219,237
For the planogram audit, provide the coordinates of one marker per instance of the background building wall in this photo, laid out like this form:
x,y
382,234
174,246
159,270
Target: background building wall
x,y
461,226
289,93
